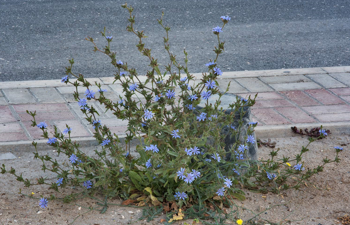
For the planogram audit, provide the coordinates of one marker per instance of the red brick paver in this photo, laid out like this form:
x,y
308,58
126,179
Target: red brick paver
x,y
269,116
337,117
341,91
300,98
272,103
12,132
327,109
6,115
296,115
262,95
325,97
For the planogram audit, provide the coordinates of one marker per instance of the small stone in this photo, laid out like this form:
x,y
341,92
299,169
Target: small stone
x,y
130,212
39,212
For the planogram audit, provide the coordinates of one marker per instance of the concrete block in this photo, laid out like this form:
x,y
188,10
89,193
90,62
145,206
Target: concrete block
x,y
326,81
19,96
253,84
47,95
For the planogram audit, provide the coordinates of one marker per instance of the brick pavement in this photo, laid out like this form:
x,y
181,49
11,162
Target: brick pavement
x,y
307,97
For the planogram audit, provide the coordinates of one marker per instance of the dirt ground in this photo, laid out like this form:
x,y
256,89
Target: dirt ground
x,y
320,203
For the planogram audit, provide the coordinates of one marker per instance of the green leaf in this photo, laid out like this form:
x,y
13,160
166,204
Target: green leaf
x,y
240,197
135,176
173,153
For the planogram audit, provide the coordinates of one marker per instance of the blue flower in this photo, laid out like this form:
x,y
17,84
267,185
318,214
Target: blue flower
x,y
159,165
42,125
183,79
202,117
189,178
121,101
148,163
196,174
96,123
225,18
250,139
253,123
152,148
236,171
323,132
242,148
188,87
233,127
208,160
216,156
102,90
221,177
216,30
143,124
73,158
210,64
170,94
212,116
59,181
174,134
127,154
82,102
217,71
206,94
160,82
133,87
299,167
89,93
67,130
338,148
121,170
156,99
195,150
270,176
105,142
193,97
188,151
221,191
109,38
123,74
52,140
148,114
228,182
64,79
43,203
190,107
119,63
210,84
87,184
181,196
181,173
244,100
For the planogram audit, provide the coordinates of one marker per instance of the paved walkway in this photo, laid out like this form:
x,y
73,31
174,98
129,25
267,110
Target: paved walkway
x,y
301,97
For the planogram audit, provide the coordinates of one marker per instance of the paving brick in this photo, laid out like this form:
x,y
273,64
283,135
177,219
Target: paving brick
x,y
234,86
300,98
78,130
3,101
76,109
346,98
285,79
262,95
327,109
296,115
1,95
325,97
253,84
336,117
340,91
117,88
6,115
19,96
295,86
326,81
12,132
342,77
47,95
269,116
35,132
44,112
271,103
119,130
115,125
337,69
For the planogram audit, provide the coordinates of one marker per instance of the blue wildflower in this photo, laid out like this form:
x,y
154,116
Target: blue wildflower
x,y
67,130
212,116
159,165
193,97
148,163
170,94
102,90
52,140
148,114
42,125
323,132
127,154
233,127
190,107
196,174
217,71
208,160
152,148
105,142
210,84
225,18
123,73
338,148
270,175
156,99
73,158
64,79
119,63
188,151
89,93
228,182
59,181
221,177
299,167
216,30
242,148
121,170
253,123
189,178
87,184
143,124
96,123
210,64
109,38
236,171
250,139
121,101
188,87
206,94
195,150
202,117
181,173
160,82
82,102
183,79
133,87
181,196
174,134
216,156
43,203
221,191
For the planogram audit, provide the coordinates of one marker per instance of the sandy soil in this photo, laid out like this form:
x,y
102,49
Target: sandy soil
x,y
320,203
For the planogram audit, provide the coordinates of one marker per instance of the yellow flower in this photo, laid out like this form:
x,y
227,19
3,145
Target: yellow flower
x,y
240,222
288,164
33,193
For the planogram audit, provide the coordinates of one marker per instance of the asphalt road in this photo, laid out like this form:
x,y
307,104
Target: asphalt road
x,y
37,37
